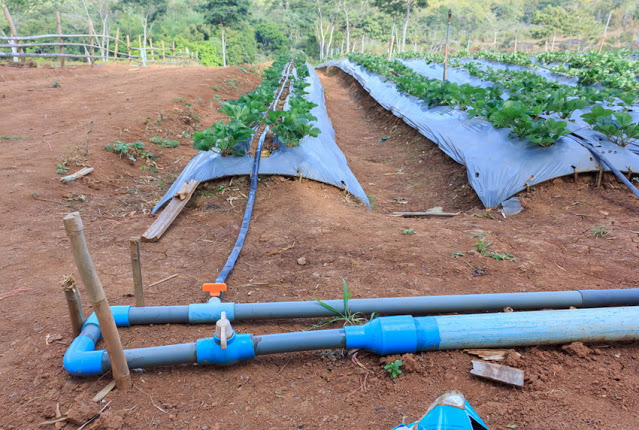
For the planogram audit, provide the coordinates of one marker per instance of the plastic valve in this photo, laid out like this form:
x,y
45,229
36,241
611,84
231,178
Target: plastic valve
x,y
223,330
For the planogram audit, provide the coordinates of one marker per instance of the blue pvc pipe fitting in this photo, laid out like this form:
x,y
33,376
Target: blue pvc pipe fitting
x,y
81,357
239,347
386,335
120,316
207,313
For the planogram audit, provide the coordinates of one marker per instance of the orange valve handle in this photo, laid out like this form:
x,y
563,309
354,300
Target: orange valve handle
x,y
214,289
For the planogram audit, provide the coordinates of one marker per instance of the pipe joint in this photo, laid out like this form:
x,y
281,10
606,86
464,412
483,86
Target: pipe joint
x,y
209,313
81,357
386,335
120,316
239,347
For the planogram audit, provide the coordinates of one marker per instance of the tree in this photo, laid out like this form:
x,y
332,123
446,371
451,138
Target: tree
x,y
399,7
148,11
270,38
224,13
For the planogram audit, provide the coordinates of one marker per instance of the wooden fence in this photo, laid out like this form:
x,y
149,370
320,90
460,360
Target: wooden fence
x,y
92,47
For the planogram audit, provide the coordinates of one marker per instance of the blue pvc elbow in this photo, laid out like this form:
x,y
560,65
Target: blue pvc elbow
x,y
120,316
239,347
81,357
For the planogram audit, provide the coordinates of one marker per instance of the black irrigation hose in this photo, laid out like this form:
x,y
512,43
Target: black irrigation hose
x,y
248,212
612,168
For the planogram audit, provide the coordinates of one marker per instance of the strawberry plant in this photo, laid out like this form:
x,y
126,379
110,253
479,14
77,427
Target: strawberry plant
x,y
291,126
222,138
617,126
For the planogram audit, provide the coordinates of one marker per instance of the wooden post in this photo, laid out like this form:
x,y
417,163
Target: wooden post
x,y
14,33
163,52
140,45
117,39
552,47
138,288
603,37
392,42
59,29
119,365
151,48
516,38
128,48
91,50
74,301
450,17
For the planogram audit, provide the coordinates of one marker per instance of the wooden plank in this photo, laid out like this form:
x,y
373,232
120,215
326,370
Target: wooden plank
x,y
423,214
172,210
498,372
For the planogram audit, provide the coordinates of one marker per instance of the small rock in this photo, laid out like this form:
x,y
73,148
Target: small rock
x,y
315,275
578,349
109,420
83,408
301,261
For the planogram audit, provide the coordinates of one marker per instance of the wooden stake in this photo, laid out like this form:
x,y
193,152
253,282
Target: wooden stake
x,y
516,38
117,39
450,17
138,288
119,365
74,301
392,42
128,48
599,176
151,48
140,45
92,50
59,27
603,37
163,52
14,33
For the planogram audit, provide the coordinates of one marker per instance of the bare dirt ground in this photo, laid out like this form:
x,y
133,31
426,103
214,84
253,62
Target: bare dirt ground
x,y
592,387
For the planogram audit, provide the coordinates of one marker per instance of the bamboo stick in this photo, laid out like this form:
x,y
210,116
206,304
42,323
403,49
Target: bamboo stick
x,y
74,302
91,41
163,52
119,365
128,48
59,30
13,31
151,48
117,39
138,288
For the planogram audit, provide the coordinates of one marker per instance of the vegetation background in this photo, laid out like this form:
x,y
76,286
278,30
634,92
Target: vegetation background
x,y
245,31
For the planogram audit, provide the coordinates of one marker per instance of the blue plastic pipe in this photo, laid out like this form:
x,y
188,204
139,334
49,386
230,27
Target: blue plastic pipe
x,y
385,335
248,212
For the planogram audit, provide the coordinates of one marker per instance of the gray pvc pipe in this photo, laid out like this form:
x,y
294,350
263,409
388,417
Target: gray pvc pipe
x,y
156,356
159,315
441,304
299,341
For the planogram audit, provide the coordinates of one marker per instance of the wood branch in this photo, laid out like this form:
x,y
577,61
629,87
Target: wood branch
x,y
80,173
168,278
423,214
172,210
